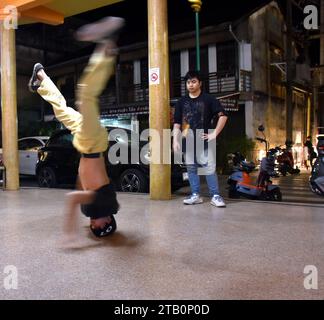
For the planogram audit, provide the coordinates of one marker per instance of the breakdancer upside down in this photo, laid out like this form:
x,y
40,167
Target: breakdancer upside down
x,y
97,197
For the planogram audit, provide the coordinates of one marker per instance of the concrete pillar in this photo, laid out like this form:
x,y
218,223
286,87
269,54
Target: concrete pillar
x,y
308,128
137,72
212,58
320,112
260,71
249,129
159,99
321,80
212,68
184,68
289,75
138,91
315,110
9,107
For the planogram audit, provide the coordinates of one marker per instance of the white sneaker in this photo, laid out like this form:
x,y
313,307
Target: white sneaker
x,y
193,199
217,201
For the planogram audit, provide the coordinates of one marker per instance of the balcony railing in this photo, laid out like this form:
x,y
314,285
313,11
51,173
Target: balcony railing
x,y
245,81
218,84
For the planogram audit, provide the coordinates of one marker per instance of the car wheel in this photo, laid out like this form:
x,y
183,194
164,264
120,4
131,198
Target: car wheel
x,y
46,178
133,180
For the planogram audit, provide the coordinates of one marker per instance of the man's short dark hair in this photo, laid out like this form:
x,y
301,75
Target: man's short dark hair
x,y
191,75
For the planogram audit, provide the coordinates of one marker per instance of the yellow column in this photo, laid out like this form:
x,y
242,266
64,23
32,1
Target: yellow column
x,y
159,99
308,115
9,107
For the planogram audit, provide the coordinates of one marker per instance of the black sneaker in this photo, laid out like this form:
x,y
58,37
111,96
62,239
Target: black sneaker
x,y
34,82
104,29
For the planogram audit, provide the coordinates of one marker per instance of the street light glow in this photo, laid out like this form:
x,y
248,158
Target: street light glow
x,y
195,5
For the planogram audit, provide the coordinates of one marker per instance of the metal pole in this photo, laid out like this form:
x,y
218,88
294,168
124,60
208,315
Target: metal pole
x,y
197,42
196,6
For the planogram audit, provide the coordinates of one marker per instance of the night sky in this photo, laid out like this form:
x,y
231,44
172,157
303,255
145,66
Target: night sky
x,y
181,19
180,15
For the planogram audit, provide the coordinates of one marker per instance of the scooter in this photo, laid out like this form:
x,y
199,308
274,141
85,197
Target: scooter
x,y
240,182
286,161
316,180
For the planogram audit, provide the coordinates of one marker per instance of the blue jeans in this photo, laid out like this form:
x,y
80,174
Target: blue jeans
x,y
203,164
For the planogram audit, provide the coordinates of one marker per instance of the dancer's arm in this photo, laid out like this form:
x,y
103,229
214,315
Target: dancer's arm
x,y
74,199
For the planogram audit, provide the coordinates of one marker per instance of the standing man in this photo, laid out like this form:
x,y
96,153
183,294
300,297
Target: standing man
x,y
193,121
310,150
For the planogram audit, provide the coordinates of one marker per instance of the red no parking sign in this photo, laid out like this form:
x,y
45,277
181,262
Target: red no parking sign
x,y
154,76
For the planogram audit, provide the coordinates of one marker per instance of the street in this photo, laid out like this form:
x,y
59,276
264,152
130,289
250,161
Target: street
x,y
294,189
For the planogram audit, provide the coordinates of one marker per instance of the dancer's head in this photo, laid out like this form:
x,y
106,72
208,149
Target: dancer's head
x,y
102,227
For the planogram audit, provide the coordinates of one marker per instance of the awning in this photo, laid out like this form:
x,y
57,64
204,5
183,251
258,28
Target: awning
x,y
49,11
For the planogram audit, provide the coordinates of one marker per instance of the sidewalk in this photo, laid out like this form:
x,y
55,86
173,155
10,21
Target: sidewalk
x,y
294,188
162,250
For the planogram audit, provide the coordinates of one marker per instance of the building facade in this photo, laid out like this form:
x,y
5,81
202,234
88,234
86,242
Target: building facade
x,y
242,64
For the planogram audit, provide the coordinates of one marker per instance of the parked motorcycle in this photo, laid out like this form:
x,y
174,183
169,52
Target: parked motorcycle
x,y
240,182
316,180
286,161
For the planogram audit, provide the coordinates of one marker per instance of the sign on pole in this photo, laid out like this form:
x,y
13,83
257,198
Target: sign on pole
x,y
154,76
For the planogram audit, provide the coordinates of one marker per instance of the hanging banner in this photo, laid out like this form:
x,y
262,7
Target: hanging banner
x,y
230,104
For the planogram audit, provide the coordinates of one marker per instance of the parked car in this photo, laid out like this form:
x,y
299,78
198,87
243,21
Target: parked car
x,y
28,153
58,164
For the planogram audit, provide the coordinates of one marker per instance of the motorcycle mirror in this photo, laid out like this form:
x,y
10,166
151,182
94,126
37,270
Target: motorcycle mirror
x,y
261,128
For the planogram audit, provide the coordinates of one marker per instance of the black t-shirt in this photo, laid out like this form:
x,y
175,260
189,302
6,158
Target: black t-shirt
x,y
309,146
197,113
104,204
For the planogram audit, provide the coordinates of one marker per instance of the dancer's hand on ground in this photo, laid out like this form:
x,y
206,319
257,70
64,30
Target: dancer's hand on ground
x,y
70,240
